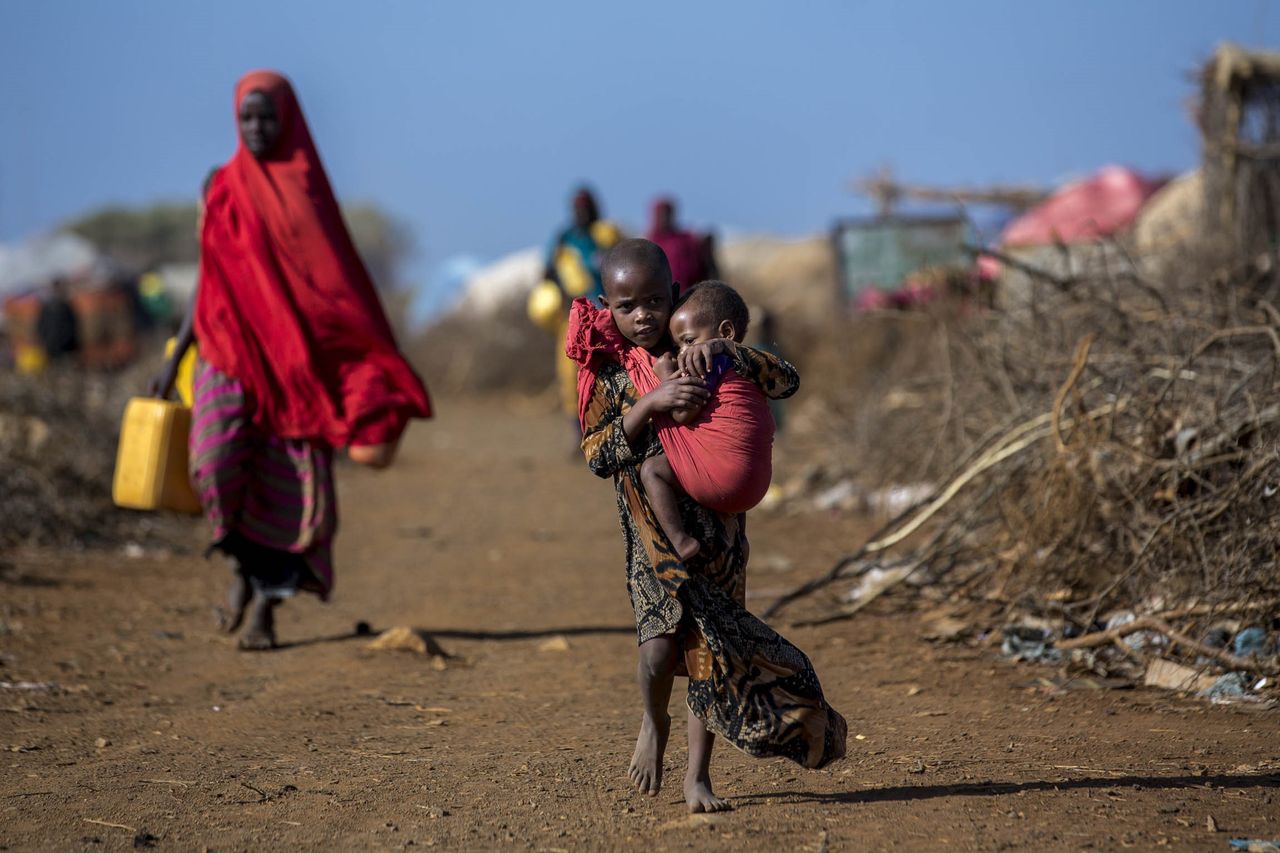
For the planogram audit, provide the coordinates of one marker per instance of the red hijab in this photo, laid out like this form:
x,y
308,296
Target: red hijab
x,y
285,304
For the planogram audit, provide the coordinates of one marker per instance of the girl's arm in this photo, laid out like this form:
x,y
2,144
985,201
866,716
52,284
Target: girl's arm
x,y
612,430
605,442
776,377
161,385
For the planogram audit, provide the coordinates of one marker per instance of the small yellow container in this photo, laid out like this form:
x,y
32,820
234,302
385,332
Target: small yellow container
x,y
184,380
151,461
546,304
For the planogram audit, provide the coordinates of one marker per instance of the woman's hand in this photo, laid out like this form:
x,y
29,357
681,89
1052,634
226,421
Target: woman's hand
x,y
695,359
161,385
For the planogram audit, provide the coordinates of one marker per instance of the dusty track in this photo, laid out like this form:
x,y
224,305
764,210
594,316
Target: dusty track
x,y
496,545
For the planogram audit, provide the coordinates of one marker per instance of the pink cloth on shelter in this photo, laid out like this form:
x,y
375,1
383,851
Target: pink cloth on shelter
x,y
1095,207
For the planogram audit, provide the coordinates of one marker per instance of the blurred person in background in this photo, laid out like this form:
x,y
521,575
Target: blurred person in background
x,y
573,265
296,359
56,324
692,256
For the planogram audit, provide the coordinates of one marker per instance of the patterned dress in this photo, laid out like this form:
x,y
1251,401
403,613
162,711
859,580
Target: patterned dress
x,y
270,501
746,682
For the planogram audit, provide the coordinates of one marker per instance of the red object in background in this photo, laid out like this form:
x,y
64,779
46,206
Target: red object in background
x,y
1084,210
872,299
105,322
285,304
684,249
21,312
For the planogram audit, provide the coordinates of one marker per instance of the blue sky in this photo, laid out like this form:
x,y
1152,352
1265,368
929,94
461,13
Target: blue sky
x,y
473,120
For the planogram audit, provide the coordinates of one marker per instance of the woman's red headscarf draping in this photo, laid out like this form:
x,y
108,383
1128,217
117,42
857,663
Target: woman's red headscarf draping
x,y
724,458
285,304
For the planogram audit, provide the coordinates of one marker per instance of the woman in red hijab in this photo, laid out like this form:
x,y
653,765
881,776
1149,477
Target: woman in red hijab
x,y
297,359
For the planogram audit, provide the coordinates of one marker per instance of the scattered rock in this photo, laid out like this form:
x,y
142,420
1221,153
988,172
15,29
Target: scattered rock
x,y
102,743
696,821
944,627
29,685
405,639
558,643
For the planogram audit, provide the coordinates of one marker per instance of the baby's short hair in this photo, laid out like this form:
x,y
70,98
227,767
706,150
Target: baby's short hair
x,y
636,252
714,302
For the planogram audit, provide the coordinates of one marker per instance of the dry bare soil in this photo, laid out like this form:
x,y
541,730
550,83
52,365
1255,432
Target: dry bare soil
x,y
159,733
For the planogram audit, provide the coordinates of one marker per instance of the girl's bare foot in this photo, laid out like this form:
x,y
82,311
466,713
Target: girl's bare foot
x,y
239,595
697,779
646,762
700,798
261,633
686,547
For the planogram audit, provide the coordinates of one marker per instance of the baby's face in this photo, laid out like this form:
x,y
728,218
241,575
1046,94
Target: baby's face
x,y
690,326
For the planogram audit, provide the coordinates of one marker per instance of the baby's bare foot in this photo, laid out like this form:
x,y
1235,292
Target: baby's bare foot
x,y
686,547
261,633
700,798
646,762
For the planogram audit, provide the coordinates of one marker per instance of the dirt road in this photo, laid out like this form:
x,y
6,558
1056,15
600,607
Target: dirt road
x,y
159,733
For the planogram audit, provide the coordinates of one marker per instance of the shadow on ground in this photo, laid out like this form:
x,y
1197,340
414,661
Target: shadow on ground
x,y
463,634
902,793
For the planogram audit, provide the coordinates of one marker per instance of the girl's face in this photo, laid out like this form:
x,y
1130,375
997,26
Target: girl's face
x,y
640,303
259,124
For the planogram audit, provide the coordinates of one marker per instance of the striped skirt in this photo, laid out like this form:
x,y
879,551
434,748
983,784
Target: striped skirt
x,y
269,500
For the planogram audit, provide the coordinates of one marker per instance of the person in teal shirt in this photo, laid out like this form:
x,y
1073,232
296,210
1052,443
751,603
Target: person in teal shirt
x,y
573,264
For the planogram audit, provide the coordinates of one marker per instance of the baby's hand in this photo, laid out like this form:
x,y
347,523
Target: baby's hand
x,y
695,359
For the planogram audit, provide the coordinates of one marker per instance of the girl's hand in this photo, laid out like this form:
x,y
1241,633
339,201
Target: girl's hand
x,y
695,359
678,392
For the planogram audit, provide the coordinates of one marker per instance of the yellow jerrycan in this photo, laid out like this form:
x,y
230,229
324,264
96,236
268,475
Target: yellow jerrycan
x,y
151,461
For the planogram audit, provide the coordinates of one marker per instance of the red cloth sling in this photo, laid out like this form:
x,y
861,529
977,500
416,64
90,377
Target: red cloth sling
x,y
724,458
285,304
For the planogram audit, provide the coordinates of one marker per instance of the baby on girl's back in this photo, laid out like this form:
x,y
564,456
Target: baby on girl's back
x,y
719,452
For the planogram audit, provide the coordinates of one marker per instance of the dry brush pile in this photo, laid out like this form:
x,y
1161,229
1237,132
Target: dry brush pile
x,y
1109,444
